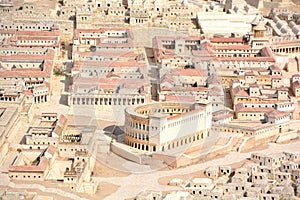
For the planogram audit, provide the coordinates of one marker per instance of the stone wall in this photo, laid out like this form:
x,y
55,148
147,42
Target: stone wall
x,y
121,151
292,134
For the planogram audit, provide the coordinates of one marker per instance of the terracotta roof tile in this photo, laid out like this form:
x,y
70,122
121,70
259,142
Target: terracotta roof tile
x,y
255,109
58,130
282,88
217,118
275,68
177,98
41,167
277,114
188,72
227,40
296,75
238,91
232,47
51,150
62,119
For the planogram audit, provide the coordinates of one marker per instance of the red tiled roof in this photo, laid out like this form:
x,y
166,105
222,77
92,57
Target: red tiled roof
x,y
282,88
32,33
226,40
249,73
51,150
276,77
58,130
253,59
277,114
28,92
62,119
275,68
189,88
108,53
213,80
130,63
112,75
217,118
29,72
267,52
215,91
255,109
177,98
41,167
232,47
108,83
188,72
238,91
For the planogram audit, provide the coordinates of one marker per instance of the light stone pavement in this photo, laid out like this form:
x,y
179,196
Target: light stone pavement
x,y
57,102
133,184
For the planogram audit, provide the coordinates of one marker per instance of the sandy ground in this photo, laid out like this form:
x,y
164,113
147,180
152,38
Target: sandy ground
x,y
102,170
131,185
56,197
104,190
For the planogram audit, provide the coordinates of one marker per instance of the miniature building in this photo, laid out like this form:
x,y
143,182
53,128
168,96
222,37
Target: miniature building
x,y
108,72
75,139
293,157
225,78
225,170
295,85
187,71
200,186
35,169
158,127
46,133
212,172
258,179
58,152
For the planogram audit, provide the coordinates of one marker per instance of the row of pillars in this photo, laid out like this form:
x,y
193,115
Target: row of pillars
x,y
107,101
40,99
143,147
8,99
287,50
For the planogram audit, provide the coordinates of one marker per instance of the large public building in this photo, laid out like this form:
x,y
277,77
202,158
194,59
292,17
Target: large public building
x,y
165,126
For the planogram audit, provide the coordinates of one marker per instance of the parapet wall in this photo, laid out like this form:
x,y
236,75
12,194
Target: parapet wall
x,y
283,137
121,151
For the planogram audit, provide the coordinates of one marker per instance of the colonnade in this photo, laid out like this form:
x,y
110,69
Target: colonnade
x,y
41,99
145,147
287,50
107,100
